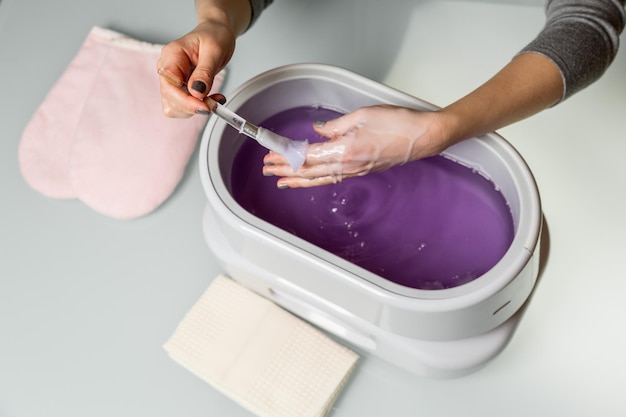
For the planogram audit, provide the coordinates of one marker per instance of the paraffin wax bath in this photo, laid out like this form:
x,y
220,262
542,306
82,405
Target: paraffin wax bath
x,y
429,224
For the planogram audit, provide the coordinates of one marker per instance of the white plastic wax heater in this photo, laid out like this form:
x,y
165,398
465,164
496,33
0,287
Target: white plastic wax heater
x,y
439,333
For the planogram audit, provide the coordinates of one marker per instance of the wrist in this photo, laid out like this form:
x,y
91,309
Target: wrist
x,y
441,131
450,126
233,14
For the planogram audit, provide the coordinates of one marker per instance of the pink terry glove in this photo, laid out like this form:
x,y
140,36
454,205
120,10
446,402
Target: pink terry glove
x,y
100,134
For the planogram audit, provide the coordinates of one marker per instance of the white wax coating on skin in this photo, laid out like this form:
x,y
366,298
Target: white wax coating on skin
x,y
293,150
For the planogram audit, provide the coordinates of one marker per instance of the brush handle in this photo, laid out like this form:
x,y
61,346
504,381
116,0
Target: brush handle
x,y
234,120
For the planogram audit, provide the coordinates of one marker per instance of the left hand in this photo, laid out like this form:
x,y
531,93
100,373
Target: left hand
x,y
370,139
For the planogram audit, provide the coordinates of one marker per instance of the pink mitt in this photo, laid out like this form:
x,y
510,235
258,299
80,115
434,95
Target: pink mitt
x,y
100,135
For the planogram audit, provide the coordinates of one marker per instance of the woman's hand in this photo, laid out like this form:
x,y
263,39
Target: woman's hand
x,y
188,65
370,139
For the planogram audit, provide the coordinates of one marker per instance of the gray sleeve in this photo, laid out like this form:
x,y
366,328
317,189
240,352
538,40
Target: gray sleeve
x,y
257,7
581,37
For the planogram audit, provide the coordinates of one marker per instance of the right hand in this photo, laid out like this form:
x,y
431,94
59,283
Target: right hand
x,y
370,139
187,67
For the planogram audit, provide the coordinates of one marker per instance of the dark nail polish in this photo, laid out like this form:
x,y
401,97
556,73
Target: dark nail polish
x,y
319,123
282,186
222,101
199,86
202,111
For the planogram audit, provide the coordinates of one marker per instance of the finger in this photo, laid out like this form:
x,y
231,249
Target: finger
x,y
174,64
211,103
328,152
175,101
274,158
306,171
167,76
338,126
296,182
181,105
201,79
213,99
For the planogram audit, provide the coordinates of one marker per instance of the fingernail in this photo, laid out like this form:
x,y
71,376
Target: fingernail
x,y
319,123
203,112
199,86
268,163
267,174
282,186
222,101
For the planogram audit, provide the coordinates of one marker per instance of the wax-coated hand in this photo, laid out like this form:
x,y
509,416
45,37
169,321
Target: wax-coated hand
x,y
370,139
187,67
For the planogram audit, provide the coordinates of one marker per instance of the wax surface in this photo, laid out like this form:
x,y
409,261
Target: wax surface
x,y
429,224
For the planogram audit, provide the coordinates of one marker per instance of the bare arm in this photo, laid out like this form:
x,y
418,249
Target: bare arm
x,y
529,84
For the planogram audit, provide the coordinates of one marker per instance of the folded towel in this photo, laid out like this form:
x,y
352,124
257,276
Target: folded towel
x,y
261,356
100,134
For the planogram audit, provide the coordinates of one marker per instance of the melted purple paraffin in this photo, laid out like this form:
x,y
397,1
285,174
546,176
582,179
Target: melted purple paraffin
x,y
429,224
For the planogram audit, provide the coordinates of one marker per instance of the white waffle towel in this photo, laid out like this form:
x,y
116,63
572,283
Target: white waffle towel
x,y
261,356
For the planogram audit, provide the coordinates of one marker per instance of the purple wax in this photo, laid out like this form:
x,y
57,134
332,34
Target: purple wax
x,y
429,224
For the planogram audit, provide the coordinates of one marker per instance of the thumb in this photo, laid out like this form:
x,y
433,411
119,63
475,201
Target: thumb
x,y
201,79
338,126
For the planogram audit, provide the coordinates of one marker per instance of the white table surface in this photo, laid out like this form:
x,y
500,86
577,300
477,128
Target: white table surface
x,y
86,302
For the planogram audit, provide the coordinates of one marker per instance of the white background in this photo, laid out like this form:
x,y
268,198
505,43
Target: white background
x,y
86,302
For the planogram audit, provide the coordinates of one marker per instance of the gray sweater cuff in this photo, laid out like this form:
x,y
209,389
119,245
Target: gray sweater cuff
x,y
257,7
581,37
